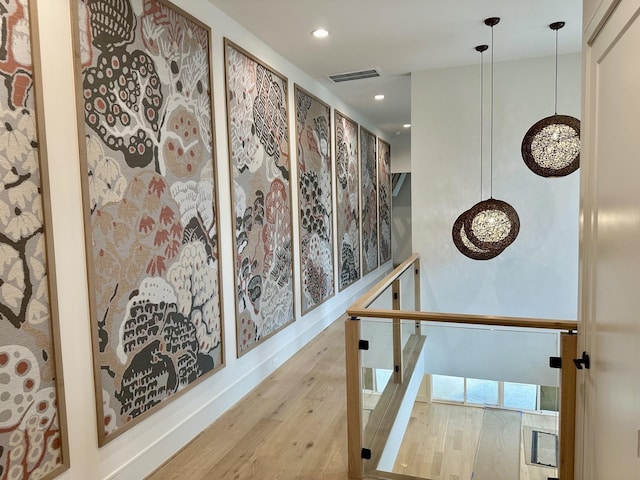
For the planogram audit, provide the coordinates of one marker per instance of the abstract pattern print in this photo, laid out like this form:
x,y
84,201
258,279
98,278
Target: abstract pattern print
x,y
369,194
151,197
384,198
31,417
313,138
347,200
259,157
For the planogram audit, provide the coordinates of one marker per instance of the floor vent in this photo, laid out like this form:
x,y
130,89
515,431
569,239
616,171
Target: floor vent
x,y
359,75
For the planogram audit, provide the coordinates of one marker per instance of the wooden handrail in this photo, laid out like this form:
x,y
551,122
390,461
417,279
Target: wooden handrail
x,y
378,289
519,322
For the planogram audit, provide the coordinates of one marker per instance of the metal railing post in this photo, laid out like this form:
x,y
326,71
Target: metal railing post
x,y
354,397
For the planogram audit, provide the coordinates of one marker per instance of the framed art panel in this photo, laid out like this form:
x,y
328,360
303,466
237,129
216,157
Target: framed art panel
x,y
347,200
313,142
150,193
33,427
259,158
369,194
384,200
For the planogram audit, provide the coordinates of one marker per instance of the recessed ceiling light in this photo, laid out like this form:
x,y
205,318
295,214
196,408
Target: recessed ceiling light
x,y
320,33
407,125
379,97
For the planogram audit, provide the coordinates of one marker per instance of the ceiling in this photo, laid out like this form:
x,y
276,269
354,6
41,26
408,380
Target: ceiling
x,y
399,37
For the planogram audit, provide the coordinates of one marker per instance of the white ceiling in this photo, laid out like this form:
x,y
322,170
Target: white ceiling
x,y
399,37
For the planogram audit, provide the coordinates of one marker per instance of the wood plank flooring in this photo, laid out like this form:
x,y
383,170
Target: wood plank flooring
x,y
498,454
293,426
442,439
440,442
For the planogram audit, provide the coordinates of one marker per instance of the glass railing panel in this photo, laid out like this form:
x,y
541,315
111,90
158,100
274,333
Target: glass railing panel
x,y
490,410
407,290
387,404
383,302
377,367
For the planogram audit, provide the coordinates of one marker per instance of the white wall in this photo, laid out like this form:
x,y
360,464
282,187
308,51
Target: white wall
x,y
537,275
139,451
401,223
401,153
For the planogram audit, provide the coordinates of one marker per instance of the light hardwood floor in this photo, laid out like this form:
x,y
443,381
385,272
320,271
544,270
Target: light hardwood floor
x,y
442,439
440,442
293,426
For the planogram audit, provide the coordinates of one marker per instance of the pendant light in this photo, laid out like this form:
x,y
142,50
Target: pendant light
x,y
491,224
464,245
551,147
460,239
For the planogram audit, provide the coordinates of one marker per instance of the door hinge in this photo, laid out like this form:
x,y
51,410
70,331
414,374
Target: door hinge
x,y
366,454
363,344
555,362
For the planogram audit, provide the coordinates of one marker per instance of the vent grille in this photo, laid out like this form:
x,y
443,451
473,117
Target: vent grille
x,y
359,75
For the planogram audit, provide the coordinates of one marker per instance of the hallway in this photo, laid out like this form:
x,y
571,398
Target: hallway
x,y
291,426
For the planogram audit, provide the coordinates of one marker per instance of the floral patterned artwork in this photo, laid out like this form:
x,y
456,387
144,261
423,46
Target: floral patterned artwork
x,y
32,427
347,199
150,193
384,199
313,137
260,171
369,193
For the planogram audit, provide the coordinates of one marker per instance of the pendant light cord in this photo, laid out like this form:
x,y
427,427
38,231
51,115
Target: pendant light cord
x,y
481,117
491,125
555,108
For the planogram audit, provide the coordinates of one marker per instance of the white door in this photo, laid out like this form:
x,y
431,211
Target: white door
x,y
609,393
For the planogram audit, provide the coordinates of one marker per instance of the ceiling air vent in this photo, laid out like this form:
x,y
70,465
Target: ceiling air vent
x,y
359,75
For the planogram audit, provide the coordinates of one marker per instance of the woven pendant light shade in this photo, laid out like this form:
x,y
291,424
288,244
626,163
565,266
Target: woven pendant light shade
x,y
464,245
491,224
551,147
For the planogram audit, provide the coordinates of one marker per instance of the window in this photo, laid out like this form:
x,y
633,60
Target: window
x,y
473,391
447,388
483,392
520,396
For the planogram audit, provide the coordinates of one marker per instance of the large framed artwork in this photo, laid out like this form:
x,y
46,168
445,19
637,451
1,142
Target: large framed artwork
x,y
384,199
313,141
150,193
259,159
369,194
347,200
33,428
